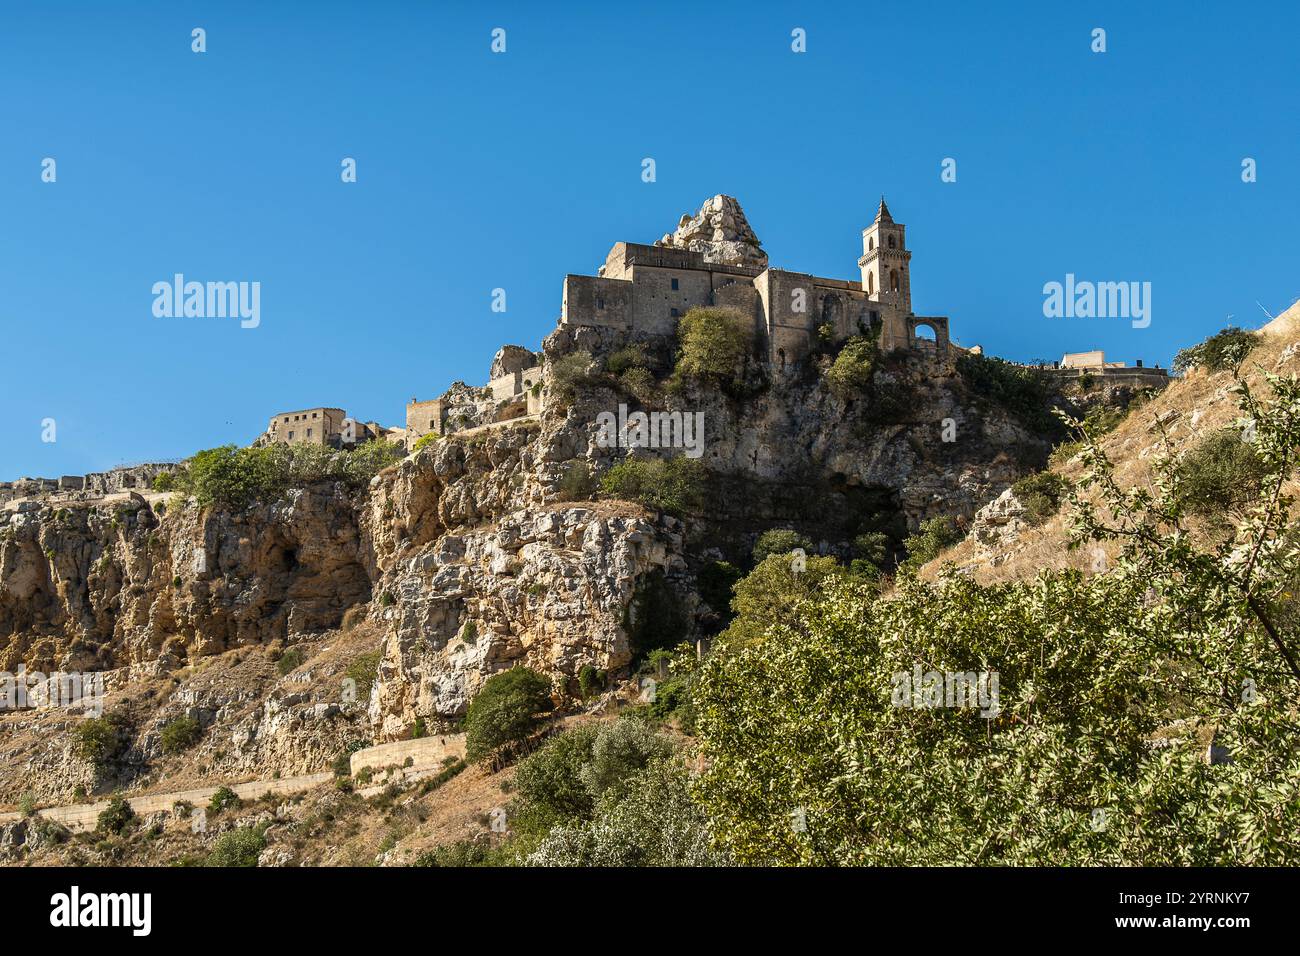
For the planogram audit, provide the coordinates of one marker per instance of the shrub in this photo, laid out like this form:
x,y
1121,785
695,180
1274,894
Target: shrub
x,y
101,740
714,345
424,441
872,547
590,681
576,484
239,847
770,595
505,710
180,734
569,372
673,485
1041,494
1025,392
224,797
850,375
715,582
289,661
1224,350
27,805
363,670
934,536
779,541
116,816
1222,475
629,357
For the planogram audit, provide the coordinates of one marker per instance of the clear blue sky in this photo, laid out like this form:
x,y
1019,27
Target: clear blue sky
x,y
479,171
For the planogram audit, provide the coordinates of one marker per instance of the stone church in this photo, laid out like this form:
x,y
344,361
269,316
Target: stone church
x,y
714,259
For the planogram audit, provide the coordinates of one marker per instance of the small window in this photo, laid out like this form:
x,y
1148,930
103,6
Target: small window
x,y
871,243
313,414
600,303
674,312
891,242
674,285
286,419
290,436
309,433
432,424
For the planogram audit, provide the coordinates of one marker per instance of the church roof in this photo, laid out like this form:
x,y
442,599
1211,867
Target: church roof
x,y
882,214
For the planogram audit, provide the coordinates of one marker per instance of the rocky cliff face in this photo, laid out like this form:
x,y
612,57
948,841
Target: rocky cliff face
x,y
720,231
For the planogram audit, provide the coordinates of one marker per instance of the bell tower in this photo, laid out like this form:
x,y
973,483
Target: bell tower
x,y
885,262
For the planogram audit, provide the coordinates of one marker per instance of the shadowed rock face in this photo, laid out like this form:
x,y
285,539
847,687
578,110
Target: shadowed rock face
x,y
721,232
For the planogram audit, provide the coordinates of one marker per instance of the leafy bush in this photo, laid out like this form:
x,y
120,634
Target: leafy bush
x,y
237,477
239,847
506,709
653,821
569,372
576,484
590,681
1220,477
627,358
101,740
655,617
116,816
1041,494
850,375
1025,392
677,486
224,797
463,853
363,670
872,547
934,536
289,661
779,541
715,344
771,594
424,441
180,734
1224,350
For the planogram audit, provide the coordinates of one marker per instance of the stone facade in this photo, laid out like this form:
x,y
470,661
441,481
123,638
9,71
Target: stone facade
x,y
315,426
513,390
714,259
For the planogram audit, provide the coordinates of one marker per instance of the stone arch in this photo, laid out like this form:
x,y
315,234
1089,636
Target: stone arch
x,y
871,283
936,324
895,283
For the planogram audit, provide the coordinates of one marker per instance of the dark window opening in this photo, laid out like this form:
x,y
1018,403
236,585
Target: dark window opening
x,y
674,285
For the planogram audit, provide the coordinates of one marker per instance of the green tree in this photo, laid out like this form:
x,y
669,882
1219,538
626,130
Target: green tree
x,y
780,541
850,375
240,847
1224,350
507,709
180,734
715,345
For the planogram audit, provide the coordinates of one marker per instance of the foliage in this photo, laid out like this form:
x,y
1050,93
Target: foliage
x,y
715,344
1041,494
569,372
772,593
239,847
779,541
506,709
715,583
224,797
872,547
850,375
424,441
933,537
1092,753
590,681
289,661
180,734
236,477
674,485
363,670
1022,391
116,816
1220,477
577,483
101,740
653,821
1224,350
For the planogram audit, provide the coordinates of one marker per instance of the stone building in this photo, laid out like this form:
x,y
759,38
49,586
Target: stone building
x,y
321,426
714,259
513,390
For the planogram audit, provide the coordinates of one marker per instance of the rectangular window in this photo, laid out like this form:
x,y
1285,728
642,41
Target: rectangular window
x,y
674,312
313,414
674,285
309,433
290,436
600,303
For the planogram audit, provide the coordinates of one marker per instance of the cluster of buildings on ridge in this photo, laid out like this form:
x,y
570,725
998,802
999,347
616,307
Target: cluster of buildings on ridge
x,y
640,292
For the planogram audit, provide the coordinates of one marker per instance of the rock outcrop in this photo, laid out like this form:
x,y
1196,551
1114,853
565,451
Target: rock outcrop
x,y
720,231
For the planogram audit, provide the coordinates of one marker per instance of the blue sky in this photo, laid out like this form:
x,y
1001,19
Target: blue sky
x,y
479,170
